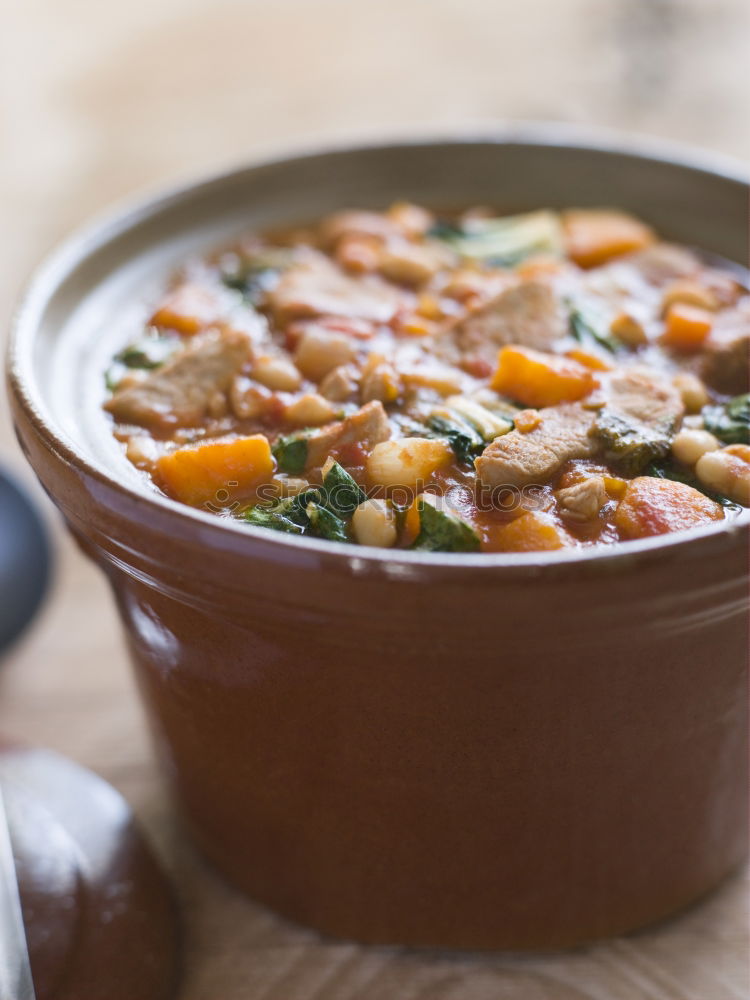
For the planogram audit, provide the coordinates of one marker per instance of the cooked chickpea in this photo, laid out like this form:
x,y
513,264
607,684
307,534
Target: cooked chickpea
x,y
692,390
320,351
408,263
277,373
689,445
727,472
373,523
310,410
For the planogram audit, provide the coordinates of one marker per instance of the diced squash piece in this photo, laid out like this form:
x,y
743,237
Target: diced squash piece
x,y
616,488
527,420
629,330
590,360
533,531
411,520
594,236
653,506
407,462
217,473
537,379
188,309
686,327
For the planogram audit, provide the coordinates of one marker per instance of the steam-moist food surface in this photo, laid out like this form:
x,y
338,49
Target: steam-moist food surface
x,y
464,383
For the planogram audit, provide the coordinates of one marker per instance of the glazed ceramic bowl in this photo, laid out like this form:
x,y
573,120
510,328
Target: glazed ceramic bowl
x,y
495,751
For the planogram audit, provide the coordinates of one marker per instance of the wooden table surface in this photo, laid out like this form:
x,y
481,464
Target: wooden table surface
x,y
98,101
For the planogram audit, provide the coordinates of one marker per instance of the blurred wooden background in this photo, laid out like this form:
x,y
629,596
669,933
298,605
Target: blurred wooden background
x,y
100,101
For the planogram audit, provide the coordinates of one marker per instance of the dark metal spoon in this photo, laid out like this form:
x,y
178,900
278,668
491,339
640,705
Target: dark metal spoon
x,y
24,560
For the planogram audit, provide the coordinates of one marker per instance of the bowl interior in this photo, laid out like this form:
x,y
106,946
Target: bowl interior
x,y
95,292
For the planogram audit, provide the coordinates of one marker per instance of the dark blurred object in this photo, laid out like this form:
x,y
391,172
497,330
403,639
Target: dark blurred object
x,y
99,913
24,560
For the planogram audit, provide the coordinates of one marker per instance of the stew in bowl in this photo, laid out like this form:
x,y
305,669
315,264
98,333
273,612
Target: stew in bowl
x,y
453,383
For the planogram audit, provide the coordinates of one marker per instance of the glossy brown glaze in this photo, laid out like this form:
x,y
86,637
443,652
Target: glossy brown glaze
x,y
99,914
481,752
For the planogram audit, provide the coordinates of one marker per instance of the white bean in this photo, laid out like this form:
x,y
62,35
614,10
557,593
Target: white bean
x,y
374,524
688,445
727,472
277,373
692,390
319,352
310,410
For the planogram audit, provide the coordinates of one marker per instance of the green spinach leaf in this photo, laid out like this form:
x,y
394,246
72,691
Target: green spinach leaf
x,y
443,532
730,422
326,524
290,453
341,493
463,439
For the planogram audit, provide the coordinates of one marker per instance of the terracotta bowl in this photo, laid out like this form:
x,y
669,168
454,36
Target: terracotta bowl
x,y
497,751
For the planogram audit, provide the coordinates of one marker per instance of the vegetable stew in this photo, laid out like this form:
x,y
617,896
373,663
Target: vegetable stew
x,y
472,382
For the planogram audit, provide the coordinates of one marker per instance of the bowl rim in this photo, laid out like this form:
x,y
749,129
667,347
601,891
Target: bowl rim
x,y
90,238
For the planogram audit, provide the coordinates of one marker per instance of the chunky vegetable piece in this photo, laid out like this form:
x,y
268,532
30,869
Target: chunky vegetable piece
x,y
593,236
654,506
475,382
537,379
215,473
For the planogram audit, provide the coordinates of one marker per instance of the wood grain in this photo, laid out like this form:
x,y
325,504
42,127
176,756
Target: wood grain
x,y
100,101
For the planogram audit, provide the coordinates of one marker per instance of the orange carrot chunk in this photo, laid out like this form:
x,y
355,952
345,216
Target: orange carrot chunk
x,y
654,506
216,473
188,309
538,379
533,531
593,236
686,327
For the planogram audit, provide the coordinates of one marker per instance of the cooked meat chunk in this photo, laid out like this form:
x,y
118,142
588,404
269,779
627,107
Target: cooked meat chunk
x,y
527,314
340,384
517,459
726,359
583,500
642,412
315,286
180,393
368,426
662,263
356,222
646,397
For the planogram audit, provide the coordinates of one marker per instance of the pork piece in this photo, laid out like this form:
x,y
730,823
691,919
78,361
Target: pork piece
x,y
368,426
583,501
663,263
725,364
517,459
635,427
179,393
315,286
527,314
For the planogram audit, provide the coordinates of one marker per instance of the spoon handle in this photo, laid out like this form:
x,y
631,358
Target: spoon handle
x,y
15,970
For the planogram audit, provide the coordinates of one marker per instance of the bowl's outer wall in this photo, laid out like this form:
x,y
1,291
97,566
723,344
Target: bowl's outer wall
x,y
425,754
